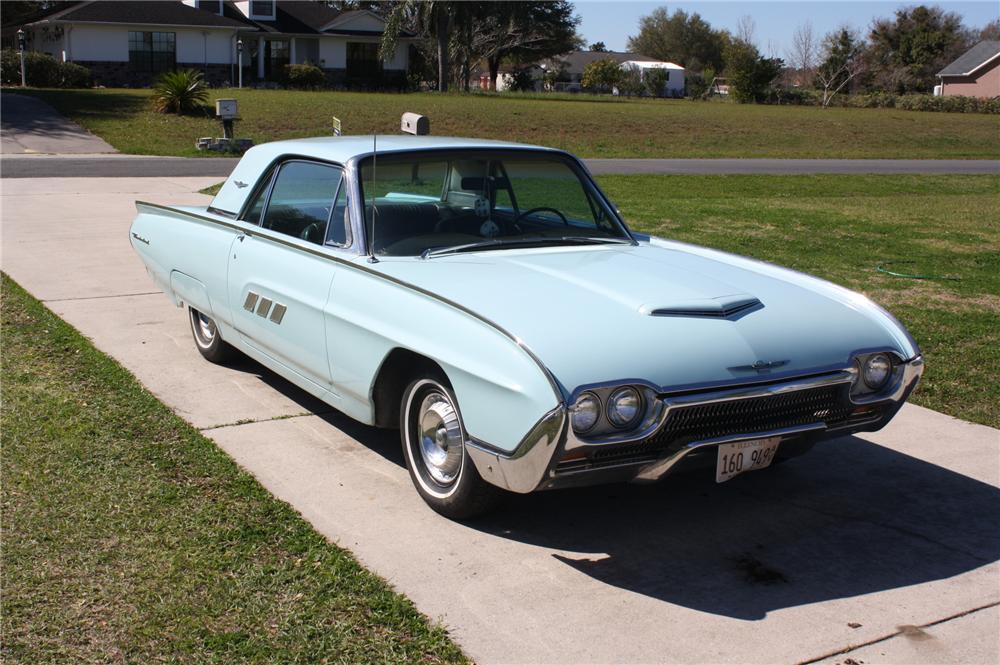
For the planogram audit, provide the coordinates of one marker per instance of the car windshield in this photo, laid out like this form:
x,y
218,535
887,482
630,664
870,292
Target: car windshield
x,y
429,204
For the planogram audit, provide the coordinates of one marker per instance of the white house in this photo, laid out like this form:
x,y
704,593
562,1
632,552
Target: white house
x,y
674,86
129,43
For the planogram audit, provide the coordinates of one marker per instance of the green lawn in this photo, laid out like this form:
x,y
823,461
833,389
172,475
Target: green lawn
x,y
587,125
129,537
841,228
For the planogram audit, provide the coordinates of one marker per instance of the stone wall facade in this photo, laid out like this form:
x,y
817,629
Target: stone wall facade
x,y
121,74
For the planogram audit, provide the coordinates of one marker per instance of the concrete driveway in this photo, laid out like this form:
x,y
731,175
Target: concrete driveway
x,y
30,126
882,548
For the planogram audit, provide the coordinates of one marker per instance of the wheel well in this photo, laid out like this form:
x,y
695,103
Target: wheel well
x,y
398,369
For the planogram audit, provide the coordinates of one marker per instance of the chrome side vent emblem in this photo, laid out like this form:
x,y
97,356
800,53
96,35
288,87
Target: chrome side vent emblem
x,y
262,307
250,302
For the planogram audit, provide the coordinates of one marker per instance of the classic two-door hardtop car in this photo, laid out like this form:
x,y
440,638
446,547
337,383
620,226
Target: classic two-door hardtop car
x,y
488,299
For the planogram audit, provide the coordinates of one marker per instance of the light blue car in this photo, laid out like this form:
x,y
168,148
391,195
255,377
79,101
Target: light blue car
x,y
488,300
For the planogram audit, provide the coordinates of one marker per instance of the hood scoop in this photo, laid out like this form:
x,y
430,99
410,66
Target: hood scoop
x,y
722,307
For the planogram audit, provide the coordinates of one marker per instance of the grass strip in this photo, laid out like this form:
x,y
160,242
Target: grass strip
x,y
587,125
130,536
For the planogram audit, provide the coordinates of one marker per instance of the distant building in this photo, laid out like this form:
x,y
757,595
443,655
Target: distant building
x,y
129,43
976,73
570,69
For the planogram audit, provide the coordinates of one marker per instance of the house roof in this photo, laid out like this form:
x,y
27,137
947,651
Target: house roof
x,y
577,61
143,13
307,17
973,59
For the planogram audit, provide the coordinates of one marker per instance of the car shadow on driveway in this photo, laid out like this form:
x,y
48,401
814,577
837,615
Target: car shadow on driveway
x,y
849,518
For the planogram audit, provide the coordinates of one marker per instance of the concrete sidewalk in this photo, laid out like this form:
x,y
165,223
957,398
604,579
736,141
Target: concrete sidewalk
x,y
882,548
30,126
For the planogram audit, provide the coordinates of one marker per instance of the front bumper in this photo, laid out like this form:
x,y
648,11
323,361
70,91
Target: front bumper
x,y
691,425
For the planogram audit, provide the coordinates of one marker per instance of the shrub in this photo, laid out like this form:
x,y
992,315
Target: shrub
x,y
630,82
72,75
182,91
655,80
601,75
521,80
303,77
41,71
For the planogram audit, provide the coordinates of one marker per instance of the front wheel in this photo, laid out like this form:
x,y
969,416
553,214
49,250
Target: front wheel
x,y
207,338
433,439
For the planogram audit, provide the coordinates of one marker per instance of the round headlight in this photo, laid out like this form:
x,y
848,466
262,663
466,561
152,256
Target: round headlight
x,y
624,406
586,411
876,370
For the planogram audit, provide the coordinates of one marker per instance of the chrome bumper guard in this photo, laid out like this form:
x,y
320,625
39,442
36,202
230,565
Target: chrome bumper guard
x,y
533,464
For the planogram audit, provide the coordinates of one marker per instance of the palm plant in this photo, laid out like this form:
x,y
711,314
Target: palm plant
x,y
182,91
433,17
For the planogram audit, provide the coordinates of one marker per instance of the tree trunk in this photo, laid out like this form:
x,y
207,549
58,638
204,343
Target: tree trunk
x,y
444,71
494,64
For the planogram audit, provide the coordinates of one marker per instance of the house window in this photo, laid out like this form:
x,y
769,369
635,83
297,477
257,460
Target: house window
x,y
214,6
152,52
277,55
363,63
262,8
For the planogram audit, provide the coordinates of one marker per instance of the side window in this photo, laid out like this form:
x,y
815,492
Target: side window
x,y
301,200
340,220
260,196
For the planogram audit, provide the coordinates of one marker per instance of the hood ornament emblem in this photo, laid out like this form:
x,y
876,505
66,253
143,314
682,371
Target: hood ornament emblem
x,y
761,366
239,183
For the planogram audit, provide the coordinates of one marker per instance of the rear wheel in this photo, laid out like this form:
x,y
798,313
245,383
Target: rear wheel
x,y
207,338
433,439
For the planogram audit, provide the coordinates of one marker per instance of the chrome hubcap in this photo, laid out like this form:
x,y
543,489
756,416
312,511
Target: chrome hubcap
x,y
441,445
206,328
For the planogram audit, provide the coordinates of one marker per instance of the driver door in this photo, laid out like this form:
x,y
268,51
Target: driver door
x,y
278,285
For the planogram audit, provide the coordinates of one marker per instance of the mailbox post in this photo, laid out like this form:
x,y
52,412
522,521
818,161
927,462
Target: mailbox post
x,y
20,49
226,110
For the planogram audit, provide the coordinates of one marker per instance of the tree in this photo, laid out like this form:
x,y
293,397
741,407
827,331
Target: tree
x,y
749,73
599,47
990,31
843,62
630,82
909,50
601,75
521,32
686,39
746,29
432,18
802,54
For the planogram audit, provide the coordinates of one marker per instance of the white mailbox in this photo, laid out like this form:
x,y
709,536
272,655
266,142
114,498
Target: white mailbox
x,y
413,123
225,108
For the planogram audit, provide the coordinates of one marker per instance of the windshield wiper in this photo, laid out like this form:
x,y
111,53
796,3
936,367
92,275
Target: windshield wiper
x,y
498,243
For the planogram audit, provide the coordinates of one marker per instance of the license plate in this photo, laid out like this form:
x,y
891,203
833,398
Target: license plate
x,y
743,456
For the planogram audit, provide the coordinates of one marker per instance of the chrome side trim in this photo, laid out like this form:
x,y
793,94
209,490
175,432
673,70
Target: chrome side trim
x,y
317,250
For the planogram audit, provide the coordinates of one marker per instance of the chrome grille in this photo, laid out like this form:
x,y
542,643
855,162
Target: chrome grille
x,y
697,422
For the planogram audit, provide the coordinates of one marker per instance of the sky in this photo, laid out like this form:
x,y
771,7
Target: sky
x,y
613,21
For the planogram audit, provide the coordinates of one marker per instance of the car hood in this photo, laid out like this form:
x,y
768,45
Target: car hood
x,y
656,312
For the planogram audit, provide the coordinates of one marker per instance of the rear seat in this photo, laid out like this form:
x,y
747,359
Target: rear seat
x,y
395,220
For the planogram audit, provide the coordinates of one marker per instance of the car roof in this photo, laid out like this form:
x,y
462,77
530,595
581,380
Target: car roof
x,y
342,149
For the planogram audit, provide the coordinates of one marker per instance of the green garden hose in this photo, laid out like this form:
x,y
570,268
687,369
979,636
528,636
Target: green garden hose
x,y
882,269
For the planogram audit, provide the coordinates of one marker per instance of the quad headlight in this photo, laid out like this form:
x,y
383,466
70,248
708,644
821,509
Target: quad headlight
x,y
586,411
876,370
624,407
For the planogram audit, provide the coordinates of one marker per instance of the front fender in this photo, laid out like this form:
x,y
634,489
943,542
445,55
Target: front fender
x,y
502,390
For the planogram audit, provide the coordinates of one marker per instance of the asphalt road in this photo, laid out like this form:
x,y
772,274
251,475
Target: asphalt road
x,y
878,547
115,166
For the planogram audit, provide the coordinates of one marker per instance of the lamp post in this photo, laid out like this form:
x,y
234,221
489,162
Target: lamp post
x,y
20,48
239,59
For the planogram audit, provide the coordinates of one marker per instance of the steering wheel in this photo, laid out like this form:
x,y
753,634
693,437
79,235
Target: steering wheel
x,y
524,214
314,232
